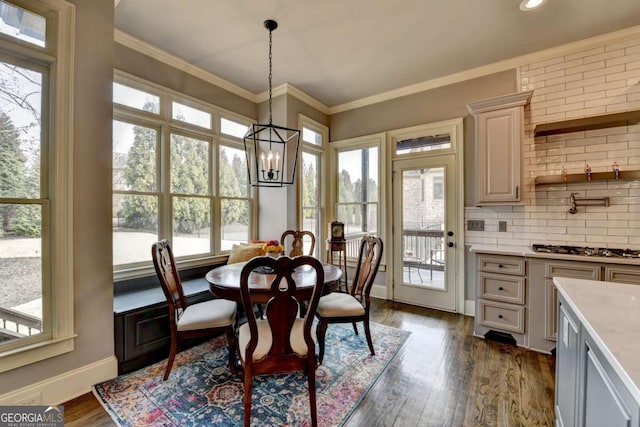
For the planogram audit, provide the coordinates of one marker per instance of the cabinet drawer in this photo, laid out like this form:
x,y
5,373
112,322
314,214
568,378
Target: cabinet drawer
x,y
501,264
576,270
506,317
502,287
622,274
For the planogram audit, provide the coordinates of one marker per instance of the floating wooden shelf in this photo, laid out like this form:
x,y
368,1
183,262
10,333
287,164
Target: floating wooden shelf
x,y
588,123
582,177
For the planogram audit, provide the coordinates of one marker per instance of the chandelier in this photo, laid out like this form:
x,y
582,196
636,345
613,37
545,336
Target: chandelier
x,y
271,150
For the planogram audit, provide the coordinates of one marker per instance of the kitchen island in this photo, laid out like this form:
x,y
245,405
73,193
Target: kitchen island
x,y
598,363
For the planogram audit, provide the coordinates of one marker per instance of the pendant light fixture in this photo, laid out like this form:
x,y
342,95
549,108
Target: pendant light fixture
x,y
272,151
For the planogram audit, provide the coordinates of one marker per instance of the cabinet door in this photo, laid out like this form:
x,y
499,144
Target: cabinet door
x,y
550,310
567,368
498,138
603,405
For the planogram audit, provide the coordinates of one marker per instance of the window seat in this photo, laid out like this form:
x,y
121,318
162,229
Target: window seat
x,y
146,297
141,319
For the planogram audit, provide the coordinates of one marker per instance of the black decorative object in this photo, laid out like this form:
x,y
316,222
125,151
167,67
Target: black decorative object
x,y
268,147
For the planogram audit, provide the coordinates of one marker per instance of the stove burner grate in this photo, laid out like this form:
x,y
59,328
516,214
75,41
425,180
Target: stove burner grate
x,y
587,251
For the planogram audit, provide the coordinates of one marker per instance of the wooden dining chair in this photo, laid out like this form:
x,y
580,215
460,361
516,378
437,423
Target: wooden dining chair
x,y
297,242
354,306
186,321
282,342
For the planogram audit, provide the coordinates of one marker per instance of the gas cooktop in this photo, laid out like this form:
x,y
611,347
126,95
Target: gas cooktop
x,y
587,251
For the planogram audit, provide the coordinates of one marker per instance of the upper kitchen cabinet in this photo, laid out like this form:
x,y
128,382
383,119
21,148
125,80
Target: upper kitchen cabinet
x,y
499,130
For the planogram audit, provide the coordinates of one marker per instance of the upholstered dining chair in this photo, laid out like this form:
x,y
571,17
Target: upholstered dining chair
x,y
354,306
297,242
208,318
283,341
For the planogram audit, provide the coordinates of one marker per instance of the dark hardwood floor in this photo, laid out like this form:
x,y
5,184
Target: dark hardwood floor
x,y
443,376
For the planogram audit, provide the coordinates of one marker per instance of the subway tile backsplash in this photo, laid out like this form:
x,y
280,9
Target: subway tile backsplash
x,y
600,80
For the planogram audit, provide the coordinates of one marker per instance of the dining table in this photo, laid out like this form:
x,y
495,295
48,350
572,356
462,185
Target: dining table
x,y
224,282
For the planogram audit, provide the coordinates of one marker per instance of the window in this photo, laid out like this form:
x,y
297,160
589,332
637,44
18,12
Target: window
x,y
175,176
358,188
22,24
233,128
314,136
190,115
36,318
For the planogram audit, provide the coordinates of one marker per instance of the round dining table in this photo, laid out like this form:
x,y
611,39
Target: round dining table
x,y
224,282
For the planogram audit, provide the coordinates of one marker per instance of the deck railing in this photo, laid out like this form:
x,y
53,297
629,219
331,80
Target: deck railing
x,y
15,324
424,248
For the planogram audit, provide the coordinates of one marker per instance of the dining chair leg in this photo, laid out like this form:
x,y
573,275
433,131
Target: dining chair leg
x,y
231,347
321,331
172,355
367,332
355,328
311,380
247,397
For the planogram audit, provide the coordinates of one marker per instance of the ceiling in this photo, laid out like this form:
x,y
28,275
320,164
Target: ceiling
x,y
341,51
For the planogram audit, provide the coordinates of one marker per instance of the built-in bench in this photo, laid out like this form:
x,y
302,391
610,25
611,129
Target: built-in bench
x,y
141,317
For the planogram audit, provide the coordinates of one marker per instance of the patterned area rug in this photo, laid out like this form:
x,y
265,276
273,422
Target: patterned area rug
x,y
202,392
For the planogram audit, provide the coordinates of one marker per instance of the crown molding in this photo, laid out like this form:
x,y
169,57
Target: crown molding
x,y
499,102
286,88
182,65
496,67
289,89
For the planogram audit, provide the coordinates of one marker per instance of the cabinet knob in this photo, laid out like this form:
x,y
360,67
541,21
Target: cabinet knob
x,y
501,288
500,266
499,316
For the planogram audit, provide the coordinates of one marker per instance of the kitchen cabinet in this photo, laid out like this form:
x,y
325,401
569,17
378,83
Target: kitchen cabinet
x,y
543,316
516,296
499,131
604,402
596,382
502,297
622,274
567,367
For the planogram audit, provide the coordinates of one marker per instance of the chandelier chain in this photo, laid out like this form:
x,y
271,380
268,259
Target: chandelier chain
x,y
270,56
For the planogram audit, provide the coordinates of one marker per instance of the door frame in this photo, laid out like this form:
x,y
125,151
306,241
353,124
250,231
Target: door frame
x,y
454,128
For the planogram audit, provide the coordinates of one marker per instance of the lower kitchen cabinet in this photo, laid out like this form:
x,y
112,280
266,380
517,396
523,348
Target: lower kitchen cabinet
x,y
501,305
567,366
589,391
605,402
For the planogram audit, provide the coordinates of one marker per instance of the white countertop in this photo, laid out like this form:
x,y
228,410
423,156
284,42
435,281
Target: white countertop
x,y
526,251
610,312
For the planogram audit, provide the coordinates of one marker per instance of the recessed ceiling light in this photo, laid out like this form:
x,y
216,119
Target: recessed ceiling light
x,y
531,4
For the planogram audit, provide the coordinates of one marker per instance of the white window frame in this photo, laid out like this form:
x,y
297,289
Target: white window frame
x,y
168,126
320,151
358,143
57,234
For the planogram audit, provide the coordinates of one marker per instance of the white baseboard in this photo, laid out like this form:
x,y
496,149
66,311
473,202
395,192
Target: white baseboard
x,y
470,307
379,291
59,389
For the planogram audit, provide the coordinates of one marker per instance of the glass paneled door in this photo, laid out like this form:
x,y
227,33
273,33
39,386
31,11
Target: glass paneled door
x,y
424,203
